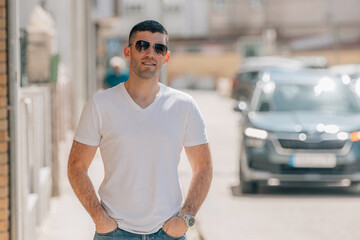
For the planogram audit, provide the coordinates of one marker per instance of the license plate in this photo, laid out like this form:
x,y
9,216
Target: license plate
x,y
312,160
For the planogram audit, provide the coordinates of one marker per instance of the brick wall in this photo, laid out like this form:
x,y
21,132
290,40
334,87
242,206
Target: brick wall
x,y
4,136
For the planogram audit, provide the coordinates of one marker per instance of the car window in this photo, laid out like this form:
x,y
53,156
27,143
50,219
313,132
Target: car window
x,y
308,97
248,76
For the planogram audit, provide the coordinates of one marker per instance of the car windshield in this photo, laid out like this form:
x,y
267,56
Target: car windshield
x,y
324,97
248,76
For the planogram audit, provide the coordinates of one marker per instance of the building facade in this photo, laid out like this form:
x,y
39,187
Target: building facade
x,y
309,24
43,86
4,126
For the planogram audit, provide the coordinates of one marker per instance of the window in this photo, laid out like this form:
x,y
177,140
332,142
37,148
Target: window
x,y
133,9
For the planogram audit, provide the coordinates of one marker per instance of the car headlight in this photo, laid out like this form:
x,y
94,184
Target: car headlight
x,y
256,133
256,137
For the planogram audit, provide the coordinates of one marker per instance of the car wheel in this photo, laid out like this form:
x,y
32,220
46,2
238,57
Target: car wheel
x,y
355,187
246,187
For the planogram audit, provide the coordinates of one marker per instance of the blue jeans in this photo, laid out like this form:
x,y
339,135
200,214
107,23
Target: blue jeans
x,y
119,234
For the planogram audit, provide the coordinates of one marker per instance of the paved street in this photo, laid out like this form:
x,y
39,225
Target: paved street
x,y
273,214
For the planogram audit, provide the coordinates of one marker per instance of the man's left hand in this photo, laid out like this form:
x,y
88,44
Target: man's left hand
x,y
175,227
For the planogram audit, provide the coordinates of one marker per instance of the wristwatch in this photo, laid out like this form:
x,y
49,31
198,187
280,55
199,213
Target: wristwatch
x,y
189,220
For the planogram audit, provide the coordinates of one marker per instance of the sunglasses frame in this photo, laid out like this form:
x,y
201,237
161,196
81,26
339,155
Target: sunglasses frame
x,y
140,47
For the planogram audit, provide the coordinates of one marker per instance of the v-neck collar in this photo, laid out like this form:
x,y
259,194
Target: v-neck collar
x,y
134,104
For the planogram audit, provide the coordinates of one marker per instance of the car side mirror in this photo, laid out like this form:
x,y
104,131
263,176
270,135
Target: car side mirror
x,y
241,106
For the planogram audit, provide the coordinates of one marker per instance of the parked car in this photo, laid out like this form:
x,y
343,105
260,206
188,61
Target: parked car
x,y
300,128
314,62
248,74
345,69
348,72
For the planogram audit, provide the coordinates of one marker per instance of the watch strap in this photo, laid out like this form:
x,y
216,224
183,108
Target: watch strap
x,y
189,220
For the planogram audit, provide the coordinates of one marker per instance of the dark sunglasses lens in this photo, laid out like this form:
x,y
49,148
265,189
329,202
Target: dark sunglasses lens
x,y
161,49
142,46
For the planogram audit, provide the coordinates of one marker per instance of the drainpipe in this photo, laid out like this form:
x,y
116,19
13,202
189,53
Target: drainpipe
x,y
13,42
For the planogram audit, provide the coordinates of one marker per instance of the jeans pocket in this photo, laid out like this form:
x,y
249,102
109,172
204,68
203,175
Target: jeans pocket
x,y
109,233
167,236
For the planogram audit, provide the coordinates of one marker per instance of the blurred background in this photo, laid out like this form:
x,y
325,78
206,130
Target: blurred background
x,y
55,54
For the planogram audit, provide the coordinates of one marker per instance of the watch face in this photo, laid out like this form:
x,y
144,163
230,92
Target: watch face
x,y
191,221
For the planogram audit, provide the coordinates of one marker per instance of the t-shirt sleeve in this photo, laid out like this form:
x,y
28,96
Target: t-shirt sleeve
x,y
88,130
195,132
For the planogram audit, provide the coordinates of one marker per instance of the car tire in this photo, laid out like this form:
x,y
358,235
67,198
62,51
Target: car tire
x,y
246,187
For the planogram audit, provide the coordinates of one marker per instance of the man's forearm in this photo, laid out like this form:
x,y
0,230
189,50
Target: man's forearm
x,y
198,190
84,190
199,187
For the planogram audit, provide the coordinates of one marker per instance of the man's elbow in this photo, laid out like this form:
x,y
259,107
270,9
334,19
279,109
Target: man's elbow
x,y
74,169
71,169
205,171
210,172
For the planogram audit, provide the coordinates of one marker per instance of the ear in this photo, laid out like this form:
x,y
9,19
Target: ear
x,y
127,53
167,57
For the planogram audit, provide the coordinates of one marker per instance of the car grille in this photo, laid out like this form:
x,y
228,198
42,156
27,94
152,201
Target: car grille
x,y
296,144
286,169
339,169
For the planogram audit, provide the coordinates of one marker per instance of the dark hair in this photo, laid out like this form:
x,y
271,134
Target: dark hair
x,y
148,25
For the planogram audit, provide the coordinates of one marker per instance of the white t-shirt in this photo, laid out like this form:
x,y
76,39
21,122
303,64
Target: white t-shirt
x,y
140,149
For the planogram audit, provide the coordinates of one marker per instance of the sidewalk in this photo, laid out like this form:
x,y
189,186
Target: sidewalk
x,y
68,220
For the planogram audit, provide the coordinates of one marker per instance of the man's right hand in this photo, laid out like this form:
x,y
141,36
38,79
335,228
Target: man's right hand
x,y
106,225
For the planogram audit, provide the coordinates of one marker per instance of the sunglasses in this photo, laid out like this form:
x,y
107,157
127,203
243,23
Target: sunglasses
x,y
142,46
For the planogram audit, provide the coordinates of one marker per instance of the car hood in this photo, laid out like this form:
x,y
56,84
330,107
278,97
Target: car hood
x,y
289,121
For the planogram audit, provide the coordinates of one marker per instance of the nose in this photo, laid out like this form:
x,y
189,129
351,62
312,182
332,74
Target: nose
x,y
150,51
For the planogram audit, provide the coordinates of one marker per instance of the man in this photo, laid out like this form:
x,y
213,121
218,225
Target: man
x,y
141,127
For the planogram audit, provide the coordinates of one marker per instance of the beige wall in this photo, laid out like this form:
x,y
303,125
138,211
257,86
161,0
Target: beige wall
x,y
220,65
334,57
226,64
